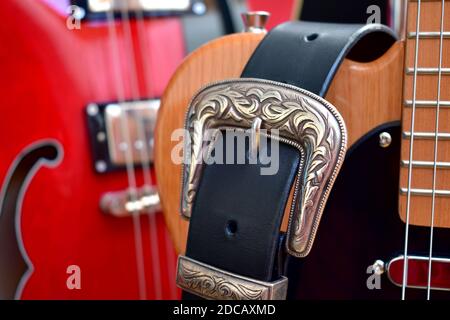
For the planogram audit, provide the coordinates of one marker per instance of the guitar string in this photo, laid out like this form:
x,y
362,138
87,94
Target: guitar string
x,y
144,152
125,133
169,261
433,196
411,147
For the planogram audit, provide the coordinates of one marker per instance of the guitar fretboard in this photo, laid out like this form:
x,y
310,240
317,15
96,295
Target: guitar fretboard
x,y
425,170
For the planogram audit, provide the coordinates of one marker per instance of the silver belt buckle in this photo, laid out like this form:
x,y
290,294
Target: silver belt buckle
x,y
212,283
301,118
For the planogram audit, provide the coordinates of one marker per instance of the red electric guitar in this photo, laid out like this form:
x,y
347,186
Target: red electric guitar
x,y
79,213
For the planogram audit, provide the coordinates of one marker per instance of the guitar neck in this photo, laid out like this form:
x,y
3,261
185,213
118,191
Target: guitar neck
x,y
425,151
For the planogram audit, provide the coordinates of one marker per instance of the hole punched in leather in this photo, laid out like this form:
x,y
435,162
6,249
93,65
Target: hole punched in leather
x,y
231,228
311,37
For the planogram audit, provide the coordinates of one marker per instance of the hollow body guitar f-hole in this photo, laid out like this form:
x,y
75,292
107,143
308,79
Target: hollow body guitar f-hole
x,y
14,262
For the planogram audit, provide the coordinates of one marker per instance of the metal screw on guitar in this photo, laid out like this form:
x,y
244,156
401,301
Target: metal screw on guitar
x,y
378,267
92,109
255,21
385,139
100,166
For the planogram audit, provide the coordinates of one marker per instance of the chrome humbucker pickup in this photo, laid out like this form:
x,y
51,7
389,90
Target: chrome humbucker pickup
x,y
122,132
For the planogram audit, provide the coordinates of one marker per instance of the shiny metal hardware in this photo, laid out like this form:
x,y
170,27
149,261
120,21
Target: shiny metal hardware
x,y
444,71
255,21
139,115
124,203
301,119
92,109
199,8
426,164
418,266
378,267
427,103
113,126
101,136
426,135
255,137
100,166
398,17
385,139
104,9
426,192
212,283
429,35
134,5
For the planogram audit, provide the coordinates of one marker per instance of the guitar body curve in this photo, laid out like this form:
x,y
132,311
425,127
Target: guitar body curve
x,y
58,220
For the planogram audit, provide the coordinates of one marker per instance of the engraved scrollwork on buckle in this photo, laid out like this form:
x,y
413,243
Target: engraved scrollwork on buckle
x,y
213,283
302,118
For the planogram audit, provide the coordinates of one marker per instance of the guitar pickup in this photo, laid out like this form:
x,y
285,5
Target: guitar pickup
x,y
121,132
418,276
97,9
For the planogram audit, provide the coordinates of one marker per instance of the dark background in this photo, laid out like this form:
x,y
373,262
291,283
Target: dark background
x,y
343,11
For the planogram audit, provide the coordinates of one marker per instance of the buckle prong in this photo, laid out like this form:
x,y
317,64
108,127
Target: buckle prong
x,y
255,137
302,119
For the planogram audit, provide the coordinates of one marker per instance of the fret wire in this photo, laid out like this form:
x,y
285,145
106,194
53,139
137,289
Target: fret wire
x,y
426,0
428,103
426,164
426,135
429,35
425,192
432,71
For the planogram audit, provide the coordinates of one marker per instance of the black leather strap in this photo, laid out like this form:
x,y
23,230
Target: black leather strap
x,y
228,224
237,195
308,54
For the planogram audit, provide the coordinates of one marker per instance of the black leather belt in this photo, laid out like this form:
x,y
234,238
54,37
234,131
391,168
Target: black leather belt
x,y
308,54
234,247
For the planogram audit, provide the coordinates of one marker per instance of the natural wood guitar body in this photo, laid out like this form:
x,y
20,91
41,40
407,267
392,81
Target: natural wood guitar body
x,y
366,94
